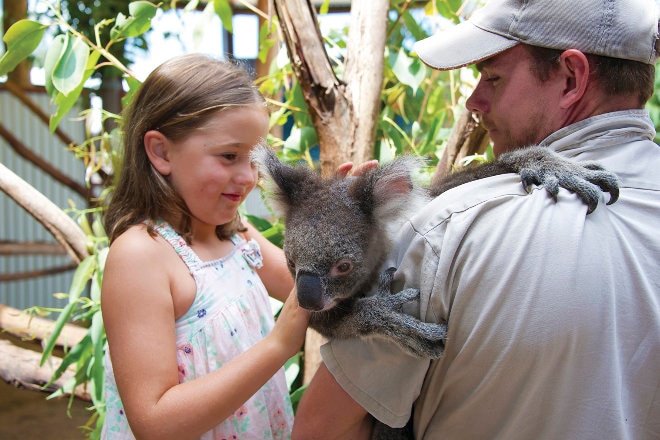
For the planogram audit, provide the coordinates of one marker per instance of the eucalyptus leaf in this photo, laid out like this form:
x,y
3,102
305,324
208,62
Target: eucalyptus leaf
x,y
223,9
139,21
408,70
22,38
53,55
70,69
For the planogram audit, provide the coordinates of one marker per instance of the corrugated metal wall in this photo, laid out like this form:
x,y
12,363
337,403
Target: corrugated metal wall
x,y
15,223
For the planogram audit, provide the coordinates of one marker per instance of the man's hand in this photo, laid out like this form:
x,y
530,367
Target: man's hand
x,y
344,169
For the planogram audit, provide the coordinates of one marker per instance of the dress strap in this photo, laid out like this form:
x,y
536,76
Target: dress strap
x,y
250,250
179,244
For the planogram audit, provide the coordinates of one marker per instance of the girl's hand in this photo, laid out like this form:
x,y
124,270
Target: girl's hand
x,y
291,325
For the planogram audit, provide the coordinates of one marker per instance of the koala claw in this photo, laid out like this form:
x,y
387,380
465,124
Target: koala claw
x,y
540,166
586,181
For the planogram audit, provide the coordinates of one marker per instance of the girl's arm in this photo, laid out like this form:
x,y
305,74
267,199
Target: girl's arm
x,y
138,312
275,273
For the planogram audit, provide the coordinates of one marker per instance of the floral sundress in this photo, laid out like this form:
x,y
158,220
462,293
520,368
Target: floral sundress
x,y
231,312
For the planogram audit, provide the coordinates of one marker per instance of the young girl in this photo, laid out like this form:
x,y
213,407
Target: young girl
x,y
192,350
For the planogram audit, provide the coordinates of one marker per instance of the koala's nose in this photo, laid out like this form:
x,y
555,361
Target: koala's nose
x,y
310,293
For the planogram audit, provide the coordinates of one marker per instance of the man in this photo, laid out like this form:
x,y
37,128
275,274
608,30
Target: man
x,y
553,315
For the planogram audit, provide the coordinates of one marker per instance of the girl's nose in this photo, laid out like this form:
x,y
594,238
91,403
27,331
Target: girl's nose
x,y
246,174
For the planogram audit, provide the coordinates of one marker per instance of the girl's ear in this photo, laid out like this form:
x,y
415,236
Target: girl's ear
x,y
156,146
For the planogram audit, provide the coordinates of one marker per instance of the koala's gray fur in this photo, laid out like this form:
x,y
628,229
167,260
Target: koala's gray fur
x,y
338,232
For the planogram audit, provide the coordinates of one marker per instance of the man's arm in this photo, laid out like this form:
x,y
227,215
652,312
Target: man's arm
x,y
327,412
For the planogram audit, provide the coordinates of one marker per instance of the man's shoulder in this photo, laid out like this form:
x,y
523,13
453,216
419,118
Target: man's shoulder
x,y
467,199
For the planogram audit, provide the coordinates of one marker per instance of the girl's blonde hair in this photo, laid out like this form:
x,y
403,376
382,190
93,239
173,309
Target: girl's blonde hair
x,y
178,97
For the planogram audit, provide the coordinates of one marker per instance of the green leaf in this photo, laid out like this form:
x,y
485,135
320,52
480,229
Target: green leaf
x,y
96,373
53,55
57,330
408,70
296,395
78,352
223,9
413,26
266,40
139,21
301,139
325,7
22,39
292,369
81,276
66,102
70,68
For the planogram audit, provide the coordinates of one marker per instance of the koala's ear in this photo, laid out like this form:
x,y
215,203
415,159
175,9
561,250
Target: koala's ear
x,y
384,191
287,184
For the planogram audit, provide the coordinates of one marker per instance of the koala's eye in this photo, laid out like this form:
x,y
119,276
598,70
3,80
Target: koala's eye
x,y
342,267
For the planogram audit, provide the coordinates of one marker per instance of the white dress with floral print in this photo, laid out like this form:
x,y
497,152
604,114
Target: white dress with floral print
x,y
230,313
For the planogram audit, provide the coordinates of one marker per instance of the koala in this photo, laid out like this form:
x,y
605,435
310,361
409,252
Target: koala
x,y
338,232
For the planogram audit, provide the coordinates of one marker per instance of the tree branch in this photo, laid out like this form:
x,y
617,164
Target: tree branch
x,y
60,225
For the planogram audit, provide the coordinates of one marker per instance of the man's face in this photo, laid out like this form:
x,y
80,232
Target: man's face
x,y
512,104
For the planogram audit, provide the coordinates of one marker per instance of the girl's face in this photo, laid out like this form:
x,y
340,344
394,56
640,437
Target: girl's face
x,y
211,168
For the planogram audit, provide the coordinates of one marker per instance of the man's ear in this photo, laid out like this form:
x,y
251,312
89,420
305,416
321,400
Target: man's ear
x,y
156,146
575,68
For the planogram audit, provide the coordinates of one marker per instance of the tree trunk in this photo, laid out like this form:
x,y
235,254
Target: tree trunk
x,y
14,11
343,111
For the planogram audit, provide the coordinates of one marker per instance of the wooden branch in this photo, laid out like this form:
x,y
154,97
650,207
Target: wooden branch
x,y
20,367
30,248
328,107
467,138
30,274
26,326
41,163
56,221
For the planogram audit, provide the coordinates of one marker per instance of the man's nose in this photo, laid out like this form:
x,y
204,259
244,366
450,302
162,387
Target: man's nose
x,y
476,103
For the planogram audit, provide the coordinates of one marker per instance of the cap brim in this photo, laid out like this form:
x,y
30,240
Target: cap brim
x,y
459,46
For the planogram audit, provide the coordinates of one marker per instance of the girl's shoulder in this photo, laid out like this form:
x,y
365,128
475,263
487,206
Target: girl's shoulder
x,y
138,245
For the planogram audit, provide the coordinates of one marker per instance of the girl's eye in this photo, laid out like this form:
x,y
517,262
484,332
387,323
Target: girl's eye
x,y
229,156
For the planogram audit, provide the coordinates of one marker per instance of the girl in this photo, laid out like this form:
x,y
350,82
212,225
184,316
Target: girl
x,y
192,350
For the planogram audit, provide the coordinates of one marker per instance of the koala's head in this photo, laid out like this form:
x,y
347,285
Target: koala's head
x,y
336,229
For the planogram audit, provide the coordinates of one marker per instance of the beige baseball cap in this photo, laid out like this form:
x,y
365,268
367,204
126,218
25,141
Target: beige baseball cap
x,y
625,29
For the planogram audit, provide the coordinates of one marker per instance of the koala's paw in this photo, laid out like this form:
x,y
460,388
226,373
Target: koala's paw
x,y
540,166
395,301
426,340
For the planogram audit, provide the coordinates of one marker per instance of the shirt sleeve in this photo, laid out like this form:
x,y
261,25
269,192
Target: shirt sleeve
x,y
379,376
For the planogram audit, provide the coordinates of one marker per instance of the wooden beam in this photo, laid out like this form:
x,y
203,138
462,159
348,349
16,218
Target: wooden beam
x,y
26,326
20,367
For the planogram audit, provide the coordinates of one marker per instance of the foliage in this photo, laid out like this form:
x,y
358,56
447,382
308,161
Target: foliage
x,y
417,111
